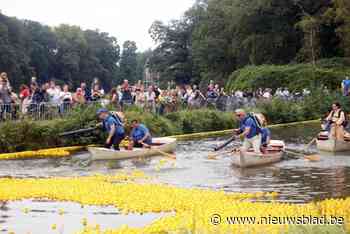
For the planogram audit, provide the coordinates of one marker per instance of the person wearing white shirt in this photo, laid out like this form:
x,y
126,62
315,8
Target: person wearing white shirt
x,y
65,95
286,93
279,93
151,99
65,98
140,97
267,95
97,92
239,94
55,93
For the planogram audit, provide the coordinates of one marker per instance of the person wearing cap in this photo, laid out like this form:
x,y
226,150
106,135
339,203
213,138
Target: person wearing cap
x,y
346,86
113,126
249,130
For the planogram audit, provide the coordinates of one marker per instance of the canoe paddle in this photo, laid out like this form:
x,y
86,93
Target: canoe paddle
x,y
311,158
213,156
171,156
310,143
232,139
80,131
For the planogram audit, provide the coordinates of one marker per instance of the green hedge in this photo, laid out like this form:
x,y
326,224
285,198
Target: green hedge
x,y
313,107
328,72
29,135
201,120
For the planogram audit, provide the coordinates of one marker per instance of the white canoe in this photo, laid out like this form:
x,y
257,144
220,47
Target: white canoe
x,y
164,144
251,159
333,145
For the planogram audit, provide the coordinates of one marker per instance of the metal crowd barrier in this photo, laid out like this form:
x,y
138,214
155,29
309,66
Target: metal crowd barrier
x,y
47,111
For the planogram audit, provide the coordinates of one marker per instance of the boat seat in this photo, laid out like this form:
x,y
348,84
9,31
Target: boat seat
x,y
327,138
270,150
277,144
322,138
157,144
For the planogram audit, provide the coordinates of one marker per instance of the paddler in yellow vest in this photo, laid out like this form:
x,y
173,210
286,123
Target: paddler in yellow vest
x,y
336,121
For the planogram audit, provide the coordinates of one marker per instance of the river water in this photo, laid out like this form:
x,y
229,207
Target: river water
x,y
296,181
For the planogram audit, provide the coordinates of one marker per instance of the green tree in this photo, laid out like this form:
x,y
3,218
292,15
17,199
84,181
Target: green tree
x,y
101,59
13,57
128,62
173,55
71,48
41,46
66,53
338,16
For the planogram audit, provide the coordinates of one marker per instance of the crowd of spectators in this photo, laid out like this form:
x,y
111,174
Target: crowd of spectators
x,y
50,97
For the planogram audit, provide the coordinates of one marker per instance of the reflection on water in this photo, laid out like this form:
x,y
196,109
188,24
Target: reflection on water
x,y
39,217
295,180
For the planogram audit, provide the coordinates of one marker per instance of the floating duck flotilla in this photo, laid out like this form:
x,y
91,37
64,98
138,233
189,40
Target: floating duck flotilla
x,y
189,210
46,153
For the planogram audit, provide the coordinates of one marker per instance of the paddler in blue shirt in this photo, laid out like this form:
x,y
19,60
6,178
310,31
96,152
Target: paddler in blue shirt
x,y
113,126
249,130
140,135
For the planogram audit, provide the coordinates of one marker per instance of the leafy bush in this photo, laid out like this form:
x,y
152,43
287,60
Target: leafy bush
x,y
201,120
328,73
312,107
158,125
279,111
28,135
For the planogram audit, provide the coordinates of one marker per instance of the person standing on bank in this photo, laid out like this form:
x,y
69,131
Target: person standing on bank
x,y
249,130
113,126
346,86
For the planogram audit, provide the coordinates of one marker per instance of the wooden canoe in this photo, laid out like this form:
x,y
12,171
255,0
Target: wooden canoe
x,y
251,159
333,145
164,144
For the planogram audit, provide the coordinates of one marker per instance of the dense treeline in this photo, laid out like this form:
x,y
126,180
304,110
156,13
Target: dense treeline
x,y
212,40
216,37
65,53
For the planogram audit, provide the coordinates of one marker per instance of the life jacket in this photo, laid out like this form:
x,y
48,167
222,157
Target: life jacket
x,y
256,120
346,120
118,119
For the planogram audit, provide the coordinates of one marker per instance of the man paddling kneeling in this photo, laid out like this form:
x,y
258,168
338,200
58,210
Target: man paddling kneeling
x,y
140,135
249,130
265,133
113,126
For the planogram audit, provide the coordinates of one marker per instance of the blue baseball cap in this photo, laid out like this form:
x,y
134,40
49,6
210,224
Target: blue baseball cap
x,y
101,110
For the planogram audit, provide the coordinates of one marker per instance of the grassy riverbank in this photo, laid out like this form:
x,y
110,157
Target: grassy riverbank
x,y
31,135
314,106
